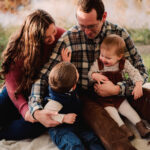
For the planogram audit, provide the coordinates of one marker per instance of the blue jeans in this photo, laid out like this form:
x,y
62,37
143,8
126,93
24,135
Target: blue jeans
x,y
70,137
14,127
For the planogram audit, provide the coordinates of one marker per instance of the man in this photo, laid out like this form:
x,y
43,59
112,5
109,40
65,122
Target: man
x,y
84,41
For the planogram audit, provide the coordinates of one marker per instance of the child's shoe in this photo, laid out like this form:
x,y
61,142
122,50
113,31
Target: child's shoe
x,y
144,132
128,132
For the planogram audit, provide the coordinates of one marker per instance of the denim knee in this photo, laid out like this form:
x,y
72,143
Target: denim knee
x,y
4,96
65,139
91,141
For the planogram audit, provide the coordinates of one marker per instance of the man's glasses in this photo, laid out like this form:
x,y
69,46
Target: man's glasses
x,y
90,27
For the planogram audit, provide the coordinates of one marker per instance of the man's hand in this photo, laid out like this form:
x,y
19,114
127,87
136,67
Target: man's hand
x,y
69,118
44,117
107,89
66,55
28,117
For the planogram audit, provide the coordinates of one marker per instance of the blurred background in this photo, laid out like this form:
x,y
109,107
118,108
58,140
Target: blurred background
x,y
134,15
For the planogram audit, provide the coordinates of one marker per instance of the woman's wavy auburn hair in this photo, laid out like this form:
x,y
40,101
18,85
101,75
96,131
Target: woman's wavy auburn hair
x,y
27,45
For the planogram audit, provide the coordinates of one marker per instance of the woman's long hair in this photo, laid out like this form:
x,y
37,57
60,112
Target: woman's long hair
x,y
27,46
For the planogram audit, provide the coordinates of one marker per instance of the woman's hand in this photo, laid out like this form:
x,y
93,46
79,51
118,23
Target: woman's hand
x,y
66,55
44,117
28,117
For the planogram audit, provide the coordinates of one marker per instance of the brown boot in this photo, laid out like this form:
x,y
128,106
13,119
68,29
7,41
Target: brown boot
x,y
128,132
144,132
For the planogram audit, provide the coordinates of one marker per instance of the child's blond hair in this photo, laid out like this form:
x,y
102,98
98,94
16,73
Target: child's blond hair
x,y
114,40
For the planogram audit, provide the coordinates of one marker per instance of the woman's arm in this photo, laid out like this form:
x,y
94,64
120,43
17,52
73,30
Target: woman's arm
x,y
12,81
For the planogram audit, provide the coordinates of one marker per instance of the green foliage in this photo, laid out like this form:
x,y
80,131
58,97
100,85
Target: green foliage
x,y
146,58
3,39
141,36
4,36
148,74
126,76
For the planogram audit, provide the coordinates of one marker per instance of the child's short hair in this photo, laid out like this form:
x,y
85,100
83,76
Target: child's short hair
x,y
115,40
63,77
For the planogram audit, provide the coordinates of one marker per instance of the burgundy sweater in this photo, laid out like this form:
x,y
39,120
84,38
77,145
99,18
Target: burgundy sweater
x,y
15,75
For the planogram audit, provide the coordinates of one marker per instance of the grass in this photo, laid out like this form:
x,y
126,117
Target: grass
x,y
146,59
140,36
4,37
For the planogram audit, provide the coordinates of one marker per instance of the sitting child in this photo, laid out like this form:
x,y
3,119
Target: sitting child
x,y
63,99
112,66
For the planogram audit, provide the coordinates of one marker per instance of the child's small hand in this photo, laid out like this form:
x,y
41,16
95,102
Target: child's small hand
x,y
66,55
69,118
99,77
137,91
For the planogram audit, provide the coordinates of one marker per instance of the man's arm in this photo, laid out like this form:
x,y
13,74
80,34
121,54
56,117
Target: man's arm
x,y
38,92
40,87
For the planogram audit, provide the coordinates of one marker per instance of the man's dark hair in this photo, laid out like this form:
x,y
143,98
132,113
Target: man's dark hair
x,y
63,77
88,5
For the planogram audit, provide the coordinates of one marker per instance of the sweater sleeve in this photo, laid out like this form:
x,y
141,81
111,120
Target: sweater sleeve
x,y
11,81
133,73
55,106
94,68
60,31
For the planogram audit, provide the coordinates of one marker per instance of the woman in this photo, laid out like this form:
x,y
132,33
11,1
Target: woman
x,y
26,53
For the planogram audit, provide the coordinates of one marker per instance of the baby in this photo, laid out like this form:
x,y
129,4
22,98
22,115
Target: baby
x,y
112,66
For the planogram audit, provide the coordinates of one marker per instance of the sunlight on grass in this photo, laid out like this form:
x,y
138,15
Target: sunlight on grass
x,y
4,36
146,59
141,36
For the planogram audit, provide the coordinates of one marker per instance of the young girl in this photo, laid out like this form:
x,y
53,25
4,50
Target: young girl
x,y
112,66
26,53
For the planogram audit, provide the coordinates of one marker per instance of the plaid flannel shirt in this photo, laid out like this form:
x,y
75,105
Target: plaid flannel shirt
x,y
84,52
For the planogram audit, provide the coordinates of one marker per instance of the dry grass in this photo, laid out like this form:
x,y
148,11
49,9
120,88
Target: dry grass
x,y
12,5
